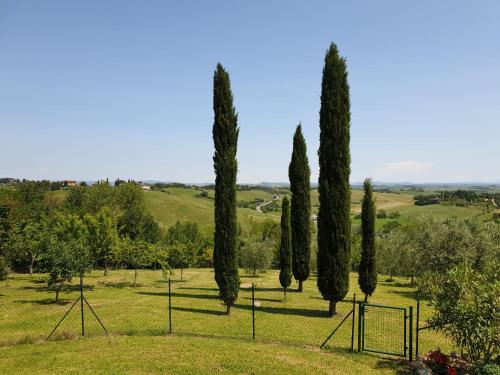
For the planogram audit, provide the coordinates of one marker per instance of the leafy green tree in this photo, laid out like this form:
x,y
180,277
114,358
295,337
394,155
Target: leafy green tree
x,y
68,254
134,253
225,135
4,268
77,199
300,186
29,242
31,196
368,266
467,310
131,203
102,236
7,223
334,223
256,255
185,244
285,246
180,256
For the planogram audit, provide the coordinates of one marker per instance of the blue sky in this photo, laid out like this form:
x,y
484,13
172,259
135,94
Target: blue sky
x,y
97,89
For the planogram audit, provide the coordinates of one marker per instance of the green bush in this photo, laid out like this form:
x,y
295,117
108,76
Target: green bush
x,y
467,310
4,269
487,369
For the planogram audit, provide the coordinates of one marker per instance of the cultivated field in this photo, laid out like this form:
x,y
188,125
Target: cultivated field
x,y
139,316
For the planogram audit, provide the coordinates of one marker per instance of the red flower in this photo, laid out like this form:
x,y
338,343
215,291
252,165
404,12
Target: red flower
x,y
452,371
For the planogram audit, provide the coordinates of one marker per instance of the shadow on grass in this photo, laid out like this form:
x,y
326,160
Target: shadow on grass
x,y
260,289
115,284
64,289
46,301
265,299
411,294
200,311
192,288
289,311
181,295
393,364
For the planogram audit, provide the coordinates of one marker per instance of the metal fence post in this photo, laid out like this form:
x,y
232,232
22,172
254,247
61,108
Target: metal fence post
x,y
360,313
81,304
417,325
253,311
353,321
169,307
404,328
411,333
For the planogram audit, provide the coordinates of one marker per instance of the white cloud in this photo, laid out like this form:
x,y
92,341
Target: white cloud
x,y
414,171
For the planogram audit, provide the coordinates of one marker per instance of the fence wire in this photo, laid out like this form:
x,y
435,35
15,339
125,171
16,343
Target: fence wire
x,y
384,329
28,312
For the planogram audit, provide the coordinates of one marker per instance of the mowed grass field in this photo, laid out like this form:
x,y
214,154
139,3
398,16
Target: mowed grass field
x,y
184,204
203,339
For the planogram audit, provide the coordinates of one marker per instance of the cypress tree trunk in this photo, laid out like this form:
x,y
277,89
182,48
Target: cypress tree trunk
x,y
299,174
285,246
334,225
367,266
225,136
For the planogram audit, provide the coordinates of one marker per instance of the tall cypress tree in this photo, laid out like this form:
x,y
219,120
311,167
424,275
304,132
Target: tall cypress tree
x,y
285,246
368,267
334,225
225,135
300,186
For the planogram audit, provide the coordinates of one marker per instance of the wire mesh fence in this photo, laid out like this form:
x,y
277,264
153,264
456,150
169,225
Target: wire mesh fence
x,y
384,329
28,312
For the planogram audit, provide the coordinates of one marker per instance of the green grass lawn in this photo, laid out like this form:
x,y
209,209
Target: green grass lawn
x,y
184,205
203,336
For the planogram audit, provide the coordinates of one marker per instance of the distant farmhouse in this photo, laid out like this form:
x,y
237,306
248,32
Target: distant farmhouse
x,y
69,183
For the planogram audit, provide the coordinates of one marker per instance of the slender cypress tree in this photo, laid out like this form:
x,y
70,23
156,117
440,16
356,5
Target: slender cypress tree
x,y
225,135
285,246
368,267
334,225
300,186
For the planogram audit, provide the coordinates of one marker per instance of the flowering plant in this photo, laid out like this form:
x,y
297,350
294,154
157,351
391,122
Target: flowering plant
x,y
441,363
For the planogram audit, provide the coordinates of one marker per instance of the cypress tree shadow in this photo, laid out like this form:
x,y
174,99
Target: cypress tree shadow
x,y
200,311
286,311
181,295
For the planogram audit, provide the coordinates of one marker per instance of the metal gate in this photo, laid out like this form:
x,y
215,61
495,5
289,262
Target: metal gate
x,y
383,329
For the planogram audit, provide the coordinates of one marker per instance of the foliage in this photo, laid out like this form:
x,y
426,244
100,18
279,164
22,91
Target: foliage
x,y
135,253
256,255
4,268
467,307
429,246
102,236
299,174
68,252
225,135
334,223
185,245
368,265
486,368
285,246
381,214
29,242
439,363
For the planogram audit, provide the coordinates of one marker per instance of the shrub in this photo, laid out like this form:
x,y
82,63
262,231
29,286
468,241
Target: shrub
x,y
257,256
381,214
4,269
467,309
487,369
